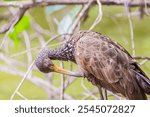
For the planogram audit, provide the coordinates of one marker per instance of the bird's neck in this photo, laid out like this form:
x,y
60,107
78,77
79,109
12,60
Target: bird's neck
x,y
65,53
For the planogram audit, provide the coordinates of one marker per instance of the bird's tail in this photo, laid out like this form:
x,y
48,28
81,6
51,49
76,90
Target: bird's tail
x,y
143,81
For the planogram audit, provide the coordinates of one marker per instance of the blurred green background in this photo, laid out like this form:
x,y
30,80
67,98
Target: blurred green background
x,y
56,20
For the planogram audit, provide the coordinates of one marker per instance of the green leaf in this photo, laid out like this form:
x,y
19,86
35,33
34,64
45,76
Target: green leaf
x,y
14,36
22,25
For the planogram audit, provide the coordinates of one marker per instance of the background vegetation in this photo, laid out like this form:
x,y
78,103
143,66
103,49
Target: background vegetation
x,y
41,24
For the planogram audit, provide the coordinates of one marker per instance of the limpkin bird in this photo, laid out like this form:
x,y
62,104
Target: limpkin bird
x,y
102,61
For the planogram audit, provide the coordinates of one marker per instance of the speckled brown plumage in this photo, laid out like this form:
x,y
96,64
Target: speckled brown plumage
x,y
105,63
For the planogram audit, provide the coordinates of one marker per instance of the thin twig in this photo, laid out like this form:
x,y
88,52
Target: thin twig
x,y
99,16
62,82
115,95
27,43
131,27
38,28
86,89
89,94
143,62
33,49
81,14
10,61
146,9
22,81
9,27
22,96
142,57
14,21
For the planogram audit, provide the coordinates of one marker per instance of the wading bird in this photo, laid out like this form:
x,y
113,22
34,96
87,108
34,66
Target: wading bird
x,y
102,61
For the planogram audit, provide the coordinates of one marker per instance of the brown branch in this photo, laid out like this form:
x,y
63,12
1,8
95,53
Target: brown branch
x,y
81,14
142,57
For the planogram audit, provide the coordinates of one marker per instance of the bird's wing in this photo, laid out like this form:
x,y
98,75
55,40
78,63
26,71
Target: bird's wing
x,y
140,76
108,62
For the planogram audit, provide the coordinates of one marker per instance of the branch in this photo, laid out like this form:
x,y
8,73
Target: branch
x,y
62,83
99,16
126,5
142,57
81,14
14,21
29,4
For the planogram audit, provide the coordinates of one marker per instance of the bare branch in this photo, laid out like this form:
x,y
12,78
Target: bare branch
x,y
14,21
87,90
81,14
131,27
143,62
29,4
28,46
99,16
22,96
22,81
9,27
62,82
142,57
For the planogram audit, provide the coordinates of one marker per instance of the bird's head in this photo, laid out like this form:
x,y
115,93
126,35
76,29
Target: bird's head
x,y
45,65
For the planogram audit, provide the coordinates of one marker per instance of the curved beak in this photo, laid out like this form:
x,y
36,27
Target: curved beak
x,y
63,71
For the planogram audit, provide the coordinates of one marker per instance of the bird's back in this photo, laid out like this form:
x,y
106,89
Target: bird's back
x,y
108,64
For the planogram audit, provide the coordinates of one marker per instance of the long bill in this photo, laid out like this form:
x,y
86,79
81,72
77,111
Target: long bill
x,y
66,72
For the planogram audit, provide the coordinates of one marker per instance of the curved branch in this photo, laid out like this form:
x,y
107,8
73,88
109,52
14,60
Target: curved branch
x,y
14,21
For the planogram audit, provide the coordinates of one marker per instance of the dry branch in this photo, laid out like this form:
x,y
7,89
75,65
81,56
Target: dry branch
x,y
29,4
81,14
14,21
131,27
142,57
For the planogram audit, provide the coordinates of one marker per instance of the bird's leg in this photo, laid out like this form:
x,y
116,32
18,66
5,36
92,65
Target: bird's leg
x,y
105,92
100,92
